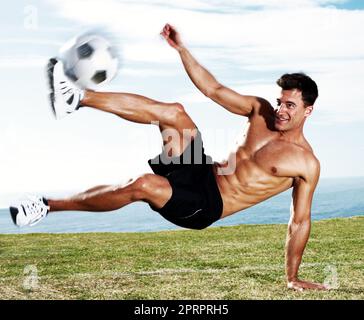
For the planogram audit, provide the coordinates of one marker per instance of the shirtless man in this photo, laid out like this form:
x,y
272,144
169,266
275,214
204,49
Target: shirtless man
x,y
187,188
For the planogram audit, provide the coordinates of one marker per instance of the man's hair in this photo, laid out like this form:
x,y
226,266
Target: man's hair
x,y
302,82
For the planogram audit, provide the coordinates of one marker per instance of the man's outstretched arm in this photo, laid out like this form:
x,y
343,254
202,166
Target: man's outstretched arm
x,y
299,228
205,81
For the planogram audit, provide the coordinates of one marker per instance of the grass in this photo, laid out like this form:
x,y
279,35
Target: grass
x,y
242,262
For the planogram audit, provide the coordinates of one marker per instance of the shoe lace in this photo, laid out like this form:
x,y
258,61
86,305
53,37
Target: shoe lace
x,y
70,92
67,88
35,209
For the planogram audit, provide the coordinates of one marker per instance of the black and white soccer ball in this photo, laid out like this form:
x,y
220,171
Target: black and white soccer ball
x,y
89,61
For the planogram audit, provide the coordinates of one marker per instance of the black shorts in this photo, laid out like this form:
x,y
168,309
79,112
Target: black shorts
x,y
196,202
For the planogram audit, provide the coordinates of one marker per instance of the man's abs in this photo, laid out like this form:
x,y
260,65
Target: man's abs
x,y
247,186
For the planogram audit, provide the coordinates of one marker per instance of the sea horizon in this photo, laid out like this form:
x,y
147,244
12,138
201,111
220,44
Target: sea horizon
x,y
334,198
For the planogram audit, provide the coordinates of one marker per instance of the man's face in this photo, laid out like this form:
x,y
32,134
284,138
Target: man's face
x,y
291,111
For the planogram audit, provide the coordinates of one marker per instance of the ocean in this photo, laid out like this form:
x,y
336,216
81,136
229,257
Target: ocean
x,y
334,197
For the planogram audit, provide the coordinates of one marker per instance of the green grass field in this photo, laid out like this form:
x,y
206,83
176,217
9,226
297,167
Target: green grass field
x,y
243,262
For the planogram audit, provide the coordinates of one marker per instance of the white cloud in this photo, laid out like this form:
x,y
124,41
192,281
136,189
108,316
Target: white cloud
x,y
20,62
224,6
29,41
147,72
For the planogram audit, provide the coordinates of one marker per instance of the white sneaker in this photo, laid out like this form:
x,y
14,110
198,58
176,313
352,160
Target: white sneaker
x,y
30,211
65,96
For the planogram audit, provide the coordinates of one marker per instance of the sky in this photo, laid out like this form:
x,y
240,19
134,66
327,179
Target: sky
x,y
247,45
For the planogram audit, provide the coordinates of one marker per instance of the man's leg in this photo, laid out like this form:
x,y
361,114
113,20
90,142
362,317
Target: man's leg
x,y
153,189
176,126
149,188
171,118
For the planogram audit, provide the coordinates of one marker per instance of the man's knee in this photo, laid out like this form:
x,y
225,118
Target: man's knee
x,y
148,186
175,114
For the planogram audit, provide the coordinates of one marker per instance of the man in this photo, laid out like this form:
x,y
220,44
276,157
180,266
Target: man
x,y
187,188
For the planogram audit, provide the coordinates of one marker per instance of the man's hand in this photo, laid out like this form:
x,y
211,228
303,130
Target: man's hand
x,y
172,37
304,285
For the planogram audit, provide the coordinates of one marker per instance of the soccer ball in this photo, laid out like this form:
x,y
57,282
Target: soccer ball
x,y
89,61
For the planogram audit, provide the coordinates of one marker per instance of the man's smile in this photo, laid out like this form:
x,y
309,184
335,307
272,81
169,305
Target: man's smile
x,y
281,119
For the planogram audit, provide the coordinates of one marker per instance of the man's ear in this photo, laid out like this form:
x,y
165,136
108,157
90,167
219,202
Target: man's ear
x,y
308,110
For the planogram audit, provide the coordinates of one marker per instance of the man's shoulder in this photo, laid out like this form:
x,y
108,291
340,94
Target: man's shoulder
x,y
262,107
308,164
302,160
305,153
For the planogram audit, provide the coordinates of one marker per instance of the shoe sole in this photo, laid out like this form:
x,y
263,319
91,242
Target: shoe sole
x,y
13,213
50,69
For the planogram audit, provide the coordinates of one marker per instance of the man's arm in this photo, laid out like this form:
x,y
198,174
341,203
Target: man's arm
x,y
206,82
299,226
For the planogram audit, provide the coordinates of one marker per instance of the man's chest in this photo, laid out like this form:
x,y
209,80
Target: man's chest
x,y
265,150
274,158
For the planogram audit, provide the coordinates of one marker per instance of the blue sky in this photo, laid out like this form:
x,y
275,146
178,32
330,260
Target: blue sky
x,y
247,45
